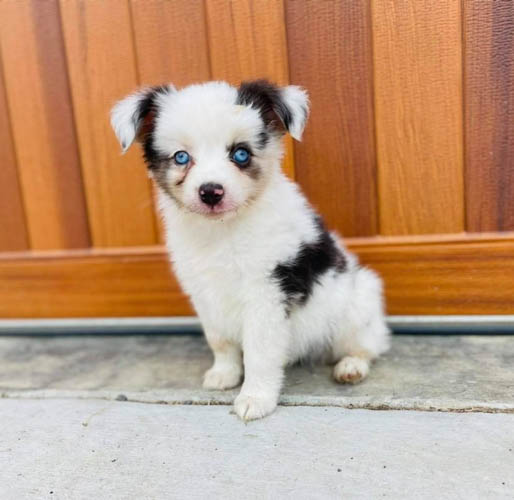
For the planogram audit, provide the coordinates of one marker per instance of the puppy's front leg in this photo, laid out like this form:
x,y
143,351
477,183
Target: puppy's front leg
x,y
227,370
266,334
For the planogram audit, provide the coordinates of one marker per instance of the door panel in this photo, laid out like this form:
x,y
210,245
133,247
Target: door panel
x,y
41,119
13,235
102,69
410,142
336,162
489,112
167,49
417,52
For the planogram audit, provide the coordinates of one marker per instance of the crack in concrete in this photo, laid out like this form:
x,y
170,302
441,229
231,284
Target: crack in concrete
x,y
406,405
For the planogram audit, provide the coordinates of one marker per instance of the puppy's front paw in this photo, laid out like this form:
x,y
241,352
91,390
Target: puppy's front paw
x,y
250,407
351,370
222,377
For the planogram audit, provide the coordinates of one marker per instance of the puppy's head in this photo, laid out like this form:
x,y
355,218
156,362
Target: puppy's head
x,y
211,147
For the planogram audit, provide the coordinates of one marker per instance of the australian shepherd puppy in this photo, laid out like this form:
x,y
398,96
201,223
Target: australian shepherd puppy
x,y
270,284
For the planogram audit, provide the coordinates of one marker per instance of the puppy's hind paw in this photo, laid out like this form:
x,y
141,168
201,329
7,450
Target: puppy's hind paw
x,y
253,407
221,378
351,370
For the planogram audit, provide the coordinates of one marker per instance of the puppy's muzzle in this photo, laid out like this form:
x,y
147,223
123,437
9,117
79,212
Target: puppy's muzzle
x,y
211,194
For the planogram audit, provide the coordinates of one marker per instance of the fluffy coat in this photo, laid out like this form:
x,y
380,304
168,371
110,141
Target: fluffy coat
x,y
271,286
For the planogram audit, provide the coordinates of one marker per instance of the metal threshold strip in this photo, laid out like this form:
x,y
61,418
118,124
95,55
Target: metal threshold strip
x,y
191,325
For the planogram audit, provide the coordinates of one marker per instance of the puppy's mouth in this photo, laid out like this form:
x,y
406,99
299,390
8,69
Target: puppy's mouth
x,y
215,212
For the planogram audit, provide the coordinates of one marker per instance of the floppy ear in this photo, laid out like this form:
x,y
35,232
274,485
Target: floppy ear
x,y
132,117
282,108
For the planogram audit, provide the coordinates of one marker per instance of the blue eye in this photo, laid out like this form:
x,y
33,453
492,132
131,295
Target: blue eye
x,y
181,157
241,156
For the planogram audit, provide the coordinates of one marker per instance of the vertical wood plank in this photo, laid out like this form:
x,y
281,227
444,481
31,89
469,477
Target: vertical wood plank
x,y
247,40
101,61
167,49
489,112
42,124
330,54
418,105
13,232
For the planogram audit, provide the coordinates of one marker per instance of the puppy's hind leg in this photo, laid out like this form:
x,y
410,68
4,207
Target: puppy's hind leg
x,y
364,334
227,370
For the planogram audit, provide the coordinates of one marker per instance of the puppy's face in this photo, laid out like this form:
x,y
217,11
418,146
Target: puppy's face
x,y
211,147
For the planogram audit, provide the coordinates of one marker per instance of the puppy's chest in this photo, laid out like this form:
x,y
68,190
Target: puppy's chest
x,y
222,267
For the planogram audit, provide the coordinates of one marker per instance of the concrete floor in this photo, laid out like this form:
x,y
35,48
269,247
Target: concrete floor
x,y
66,449
76,423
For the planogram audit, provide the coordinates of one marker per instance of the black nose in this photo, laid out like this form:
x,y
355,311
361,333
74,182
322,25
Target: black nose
x,y
211,194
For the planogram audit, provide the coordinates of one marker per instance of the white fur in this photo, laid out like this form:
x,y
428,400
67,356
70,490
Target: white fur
x,y
224,260
125,127
298,102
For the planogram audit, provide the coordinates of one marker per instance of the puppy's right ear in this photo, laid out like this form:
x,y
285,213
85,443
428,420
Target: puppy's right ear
x,y
132,118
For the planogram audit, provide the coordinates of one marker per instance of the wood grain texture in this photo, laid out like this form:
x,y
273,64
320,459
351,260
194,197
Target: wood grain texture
x,y
445,278
42,124
489,112
13,233
471,276
167,49
418,105
89,284
102,70
247,40
330,55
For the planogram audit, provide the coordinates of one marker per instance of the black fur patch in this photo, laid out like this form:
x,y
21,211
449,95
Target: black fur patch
x,y
298,276
150,155
144,118
267,98
263,140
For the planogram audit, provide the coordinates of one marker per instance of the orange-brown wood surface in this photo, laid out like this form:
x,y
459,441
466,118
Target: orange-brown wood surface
x,y
420,279
445,278
102,69
409,145
167,49
417,51
42,124
13,233
88,284
247,40
330,54
489,114
171,41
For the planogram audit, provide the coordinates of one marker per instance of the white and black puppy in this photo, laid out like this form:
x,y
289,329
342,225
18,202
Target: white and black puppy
x,y
269,283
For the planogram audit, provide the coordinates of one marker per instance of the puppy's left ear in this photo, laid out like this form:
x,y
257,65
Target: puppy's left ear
x,y
284,109
132,118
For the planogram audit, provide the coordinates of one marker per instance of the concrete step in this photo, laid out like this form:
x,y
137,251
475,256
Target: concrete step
x,y
421,372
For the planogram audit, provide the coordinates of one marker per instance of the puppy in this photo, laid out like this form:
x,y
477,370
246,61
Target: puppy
x,y
271,286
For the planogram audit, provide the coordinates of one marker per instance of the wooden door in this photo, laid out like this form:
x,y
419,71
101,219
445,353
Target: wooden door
x,y
409,151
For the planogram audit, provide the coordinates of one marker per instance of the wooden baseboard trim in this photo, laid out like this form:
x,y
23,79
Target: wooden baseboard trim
x,y
125,282
445,278
430,278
